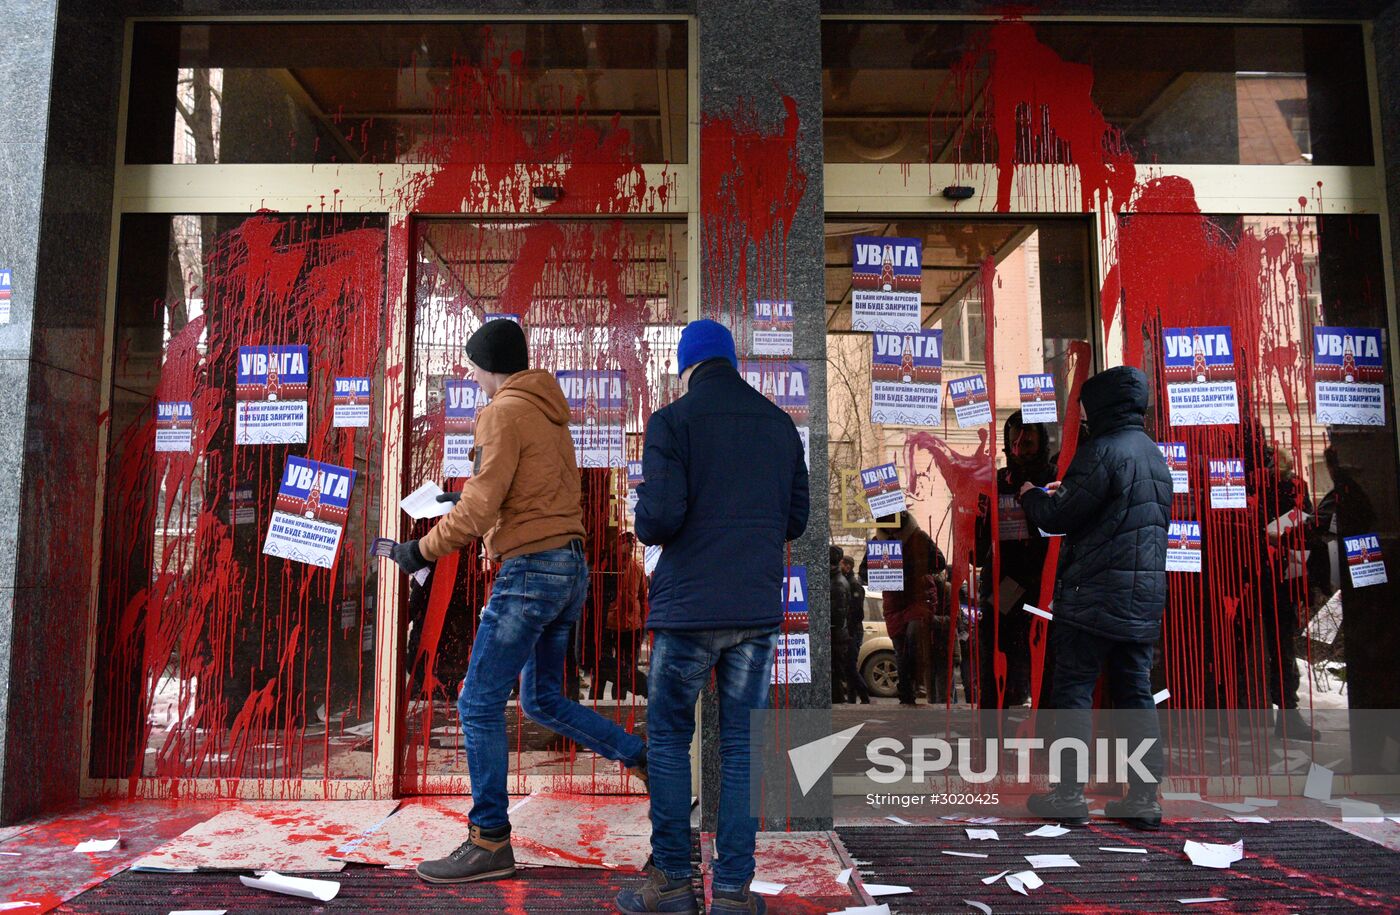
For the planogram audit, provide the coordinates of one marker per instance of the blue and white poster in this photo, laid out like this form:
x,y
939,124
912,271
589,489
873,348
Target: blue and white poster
x,y
787,385
501,316
174,425
461,402
886,284
634,479
884,565
1198,364
350,403
906,378
882,490
792,662
1226,483
1174,453
6,294
273,382
309,515
1364,560
1038,398
971,402
772,328
597,412
1184,546
1349,376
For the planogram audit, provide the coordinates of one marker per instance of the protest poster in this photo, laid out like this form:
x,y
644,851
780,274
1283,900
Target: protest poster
x,y
308,517
6,296
462,400
1038,398
634,479
792,662
884,562
906,378
1349,376
971,403
1199,367
785,384
350,403
174,425
1183,546
1365,562
882,490
1174,453
1011,518
886,284
597,412
501,316
1226,483
772,328
273,383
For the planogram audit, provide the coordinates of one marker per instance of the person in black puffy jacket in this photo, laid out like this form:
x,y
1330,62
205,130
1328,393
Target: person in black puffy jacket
x,y
1111,585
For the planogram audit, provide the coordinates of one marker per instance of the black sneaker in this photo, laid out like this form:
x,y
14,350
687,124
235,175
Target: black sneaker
x,y
660,895
1139,808
1065,804
740,902
478,858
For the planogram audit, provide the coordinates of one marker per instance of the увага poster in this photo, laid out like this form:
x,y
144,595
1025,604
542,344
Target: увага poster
x,y
273,382
1348,376
971,403
597,411
906,378
1183,546
884,562
1364,560
350,403
792,662
634,479
461,401
309,515
772,328
882,490
1199,366
1227,483
886,284
1174,453
785,384
174,425
1038,398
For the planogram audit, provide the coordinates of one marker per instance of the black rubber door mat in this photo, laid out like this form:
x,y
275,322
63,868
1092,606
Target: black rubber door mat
x,y
1288,866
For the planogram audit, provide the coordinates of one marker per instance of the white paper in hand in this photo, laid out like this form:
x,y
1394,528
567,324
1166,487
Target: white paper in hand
x,y
423,503
303,887
651,557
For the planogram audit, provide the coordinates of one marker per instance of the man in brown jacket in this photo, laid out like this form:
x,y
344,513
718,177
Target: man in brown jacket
x,y
524,499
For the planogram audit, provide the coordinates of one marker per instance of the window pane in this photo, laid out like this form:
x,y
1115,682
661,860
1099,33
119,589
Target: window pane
x,y
385,91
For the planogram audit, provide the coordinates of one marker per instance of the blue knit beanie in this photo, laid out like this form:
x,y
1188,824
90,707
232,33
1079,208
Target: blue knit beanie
x,y
702,340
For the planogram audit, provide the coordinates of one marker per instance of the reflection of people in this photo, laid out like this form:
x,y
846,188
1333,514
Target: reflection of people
x,y
1111,586
856,687
724,488
622,625
1022,557
916,618
1284,493
524,497
840,630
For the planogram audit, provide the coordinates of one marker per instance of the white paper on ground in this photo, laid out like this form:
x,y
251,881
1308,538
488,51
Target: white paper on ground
x,y
1024,880
16,906
200,912
881,909
1212,854
1036,611
1193,900
303,887
994,878
1181,795
1231,807
10,854
1250,819
844,877
1048,831
886,889
1123,849
422,502
964,854
979,906
1163,696
983,834
92,845
1319,783
983,821
764,888
900,820
1262,801
1041,862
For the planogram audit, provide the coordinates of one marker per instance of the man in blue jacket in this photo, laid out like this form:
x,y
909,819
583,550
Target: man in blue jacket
x,y
724,488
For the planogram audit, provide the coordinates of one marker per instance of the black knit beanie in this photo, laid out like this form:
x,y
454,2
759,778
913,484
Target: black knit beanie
x,y
499,346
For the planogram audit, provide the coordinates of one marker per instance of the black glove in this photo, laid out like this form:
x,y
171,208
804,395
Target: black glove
x,y
453,497
409,557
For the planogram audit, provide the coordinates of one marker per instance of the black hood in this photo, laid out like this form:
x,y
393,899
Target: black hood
x,y
1114,399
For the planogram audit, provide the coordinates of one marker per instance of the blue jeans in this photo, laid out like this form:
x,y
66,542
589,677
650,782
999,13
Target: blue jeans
x,y
681,661
1080,656
525,632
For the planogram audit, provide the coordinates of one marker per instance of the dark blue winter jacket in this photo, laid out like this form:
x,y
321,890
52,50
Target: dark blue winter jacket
x,y
724,487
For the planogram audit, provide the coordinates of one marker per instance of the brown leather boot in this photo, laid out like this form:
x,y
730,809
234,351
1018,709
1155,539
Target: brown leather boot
x,y
478,858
